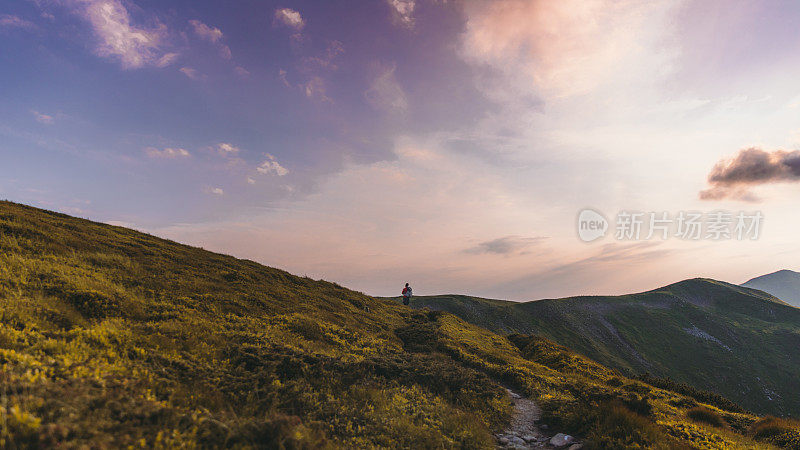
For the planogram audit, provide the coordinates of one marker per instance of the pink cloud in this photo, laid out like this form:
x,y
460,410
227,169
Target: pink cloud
x,y
191,73
403,11
385,92
12,21
561,48
167,153
225,149
43,118
242,72
290,18
271,166
118,38
211,34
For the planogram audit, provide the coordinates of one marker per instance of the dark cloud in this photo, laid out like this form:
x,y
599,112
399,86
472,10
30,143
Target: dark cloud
x,y
732,178
507,245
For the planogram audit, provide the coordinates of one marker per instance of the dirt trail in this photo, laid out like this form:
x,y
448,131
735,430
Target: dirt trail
x,y
524,433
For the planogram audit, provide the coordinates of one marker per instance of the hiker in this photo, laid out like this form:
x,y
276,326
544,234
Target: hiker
x,y
407,294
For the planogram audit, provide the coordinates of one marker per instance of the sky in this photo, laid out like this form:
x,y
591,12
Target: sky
x,y
451,144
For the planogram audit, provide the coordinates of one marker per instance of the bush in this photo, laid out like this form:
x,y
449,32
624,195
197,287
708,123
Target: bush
x,y
615,426
782,432
709,398
638,405
420,335
93,304
705,415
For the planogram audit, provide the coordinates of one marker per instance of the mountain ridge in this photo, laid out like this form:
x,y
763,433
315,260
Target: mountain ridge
x,y
784,284
713,335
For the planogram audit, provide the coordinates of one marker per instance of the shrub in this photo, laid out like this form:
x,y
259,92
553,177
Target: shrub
x,y
615,426
639,405
94,304
709,398
782,432
705,415
420,335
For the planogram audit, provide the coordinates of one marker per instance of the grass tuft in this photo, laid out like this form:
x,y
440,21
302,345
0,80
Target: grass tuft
x,y
707,416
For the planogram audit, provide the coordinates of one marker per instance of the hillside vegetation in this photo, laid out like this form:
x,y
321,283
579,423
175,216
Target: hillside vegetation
x,y
110,338
738,342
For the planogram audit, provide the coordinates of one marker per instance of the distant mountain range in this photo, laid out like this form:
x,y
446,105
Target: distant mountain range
x,y
739,342
784,284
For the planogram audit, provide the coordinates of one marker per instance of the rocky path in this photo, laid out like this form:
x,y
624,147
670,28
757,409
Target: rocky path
x,y
524,433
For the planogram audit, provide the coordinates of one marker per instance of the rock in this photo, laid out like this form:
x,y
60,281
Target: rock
x,y
503,440
561,439
514,440
575,447
543,426
528,438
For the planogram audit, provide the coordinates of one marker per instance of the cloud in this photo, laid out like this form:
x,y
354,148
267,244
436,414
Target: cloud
x,y
314,88
11,21
226,149
241,71
313,70
43,118
385,93
325,60
290,18
191,73
282,75
203,31
578,276
271,166
134,47
507,245
557,48
167,153
211,34
426,201
732,178
225,52
403,11
166,60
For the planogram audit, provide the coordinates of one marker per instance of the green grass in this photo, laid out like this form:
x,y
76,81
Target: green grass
x,y
704,334
110,338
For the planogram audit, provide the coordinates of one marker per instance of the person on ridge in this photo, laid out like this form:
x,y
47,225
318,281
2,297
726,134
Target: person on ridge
x,y
407,294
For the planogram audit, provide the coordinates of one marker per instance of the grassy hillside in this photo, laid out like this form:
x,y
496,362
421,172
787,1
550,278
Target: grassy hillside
x,y
715,336
784,284
111,338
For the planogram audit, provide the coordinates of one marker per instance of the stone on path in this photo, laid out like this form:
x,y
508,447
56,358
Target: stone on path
x,y
561,440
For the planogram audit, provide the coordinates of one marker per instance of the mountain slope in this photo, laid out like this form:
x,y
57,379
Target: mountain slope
x,y
111,338
738,342
784,284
